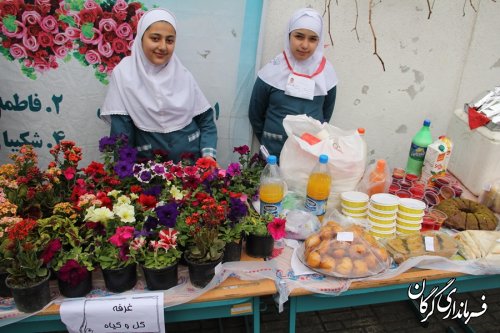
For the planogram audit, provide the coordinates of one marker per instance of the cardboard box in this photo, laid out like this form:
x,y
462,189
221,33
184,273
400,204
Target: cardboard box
x,y
475,159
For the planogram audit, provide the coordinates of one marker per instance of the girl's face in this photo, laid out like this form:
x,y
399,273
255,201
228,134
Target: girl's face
x,y
158,42
303,43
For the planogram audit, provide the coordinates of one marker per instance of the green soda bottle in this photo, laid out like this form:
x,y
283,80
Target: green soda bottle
x,y
418,147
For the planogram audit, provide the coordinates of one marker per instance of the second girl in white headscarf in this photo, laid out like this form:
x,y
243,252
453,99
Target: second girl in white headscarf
x,y
299,80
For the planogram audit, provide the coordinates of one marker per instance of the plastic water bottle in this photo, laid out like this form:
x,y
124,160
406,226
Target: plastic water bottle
x,y
318,187
361,132
272,188
418,148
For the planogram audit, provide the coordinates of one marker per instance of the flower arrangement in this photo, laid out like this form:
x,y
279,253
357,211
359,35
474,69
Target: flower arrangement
x,y
35,33
106,32
264,225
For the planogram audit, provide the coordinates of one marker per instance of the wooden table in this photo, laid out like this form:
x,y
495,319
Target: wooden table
x,y
385,291
233,297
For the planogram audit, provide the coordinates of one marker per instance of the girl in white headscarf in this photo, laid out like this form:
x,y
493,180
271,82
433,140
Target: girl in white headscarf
x,y
154,99
297,81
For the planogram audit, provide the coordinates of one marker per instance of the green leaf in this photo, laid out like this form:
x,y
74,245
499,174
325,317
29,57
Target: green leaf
x,y
9,22
29,72
67,19
67,58
87,30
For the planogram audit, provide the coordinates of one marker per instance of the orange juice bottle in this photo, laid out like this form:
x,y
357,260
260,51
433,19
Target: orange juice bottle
x,y
377,178
318,188
272,188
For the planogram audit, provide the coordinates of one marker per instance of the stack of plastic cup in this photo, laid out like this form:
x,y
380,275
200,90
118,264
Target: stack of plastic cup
x,y
382,211
354,204
409,216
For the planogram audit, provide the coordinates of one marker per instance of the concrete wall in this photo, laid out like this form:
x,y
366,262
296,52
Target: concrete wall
x,y
432,66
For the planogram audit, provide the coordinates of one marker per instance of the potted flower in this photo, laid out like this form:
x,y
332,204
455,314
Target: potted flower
x,y
112,218
262,231
232,230
7,218
159,256
68,252
28,276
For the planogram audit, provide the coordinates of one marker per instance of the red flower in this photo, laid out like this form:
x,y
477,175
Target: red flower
x,y
205,163
72,272
135,188
9,7
119,46
21,229
69,173
277,228
148,201
52,248
242,150
122,236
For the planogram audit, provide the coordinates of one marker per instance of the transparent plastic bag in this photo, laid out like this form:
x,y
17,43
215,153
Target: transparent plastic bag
x,y
490,197
301,224
377,178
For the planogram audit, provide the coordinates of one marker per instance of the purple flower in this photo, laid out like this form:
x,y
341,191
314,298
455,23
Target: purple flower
x,y
124,169
234,169
106,143
154,191
237,210
151,223
128,154
158,168
167,214
145,176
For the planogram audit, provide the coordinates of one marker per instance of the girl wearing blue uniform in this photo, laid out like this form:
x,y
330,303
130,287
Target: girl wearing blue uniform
x,y
297,81
155,100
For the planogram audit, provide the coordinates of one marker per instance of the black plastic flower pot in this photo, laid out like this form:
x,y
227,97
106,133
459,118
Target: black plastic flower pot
x,y
4,290
259,246
161,278
32,298
79,290
120,279
201,273
232,251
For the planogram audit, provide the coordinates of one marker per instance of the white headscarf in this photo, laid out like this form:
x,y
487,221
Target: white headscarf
x,y
159,99
276,72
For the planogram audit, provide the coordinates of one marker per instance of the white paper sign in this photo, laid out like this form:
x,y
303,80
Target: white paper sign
x,y
429,243
345,236
124,314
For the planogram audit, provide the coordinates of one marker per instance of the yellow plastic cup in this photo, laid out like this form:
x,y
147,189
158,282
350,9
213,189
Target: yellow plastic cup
x,y
350,210
411,206
384,201
381,234
410,217
407,230
382,213
408,223
354,199
382,227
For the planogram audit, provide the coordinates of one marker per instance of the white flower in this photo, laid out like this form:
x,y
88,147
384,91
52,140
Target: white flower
x,y
114,193
101,214
125,212
176,193
123,199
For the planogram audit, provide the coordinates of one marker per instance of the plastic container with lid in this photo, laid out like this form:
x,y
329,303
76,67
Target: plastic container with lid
x,y
378,178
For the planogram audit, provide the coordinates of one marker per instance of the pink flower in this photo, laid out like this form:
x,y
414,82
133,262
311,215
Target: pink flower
x,y
60,51
72,33
18,51
60,39
120,5
105,49
49,24
107,24
94,40
19,33
30,43
52,248
72,272
169,236
31,17
277,228
41,65
138,243
124,31
69,173
119,46
122,236
91,4
92,57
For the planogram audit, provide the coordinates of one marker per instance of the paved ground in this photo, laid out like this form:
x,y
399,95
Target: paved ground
x,y
389,317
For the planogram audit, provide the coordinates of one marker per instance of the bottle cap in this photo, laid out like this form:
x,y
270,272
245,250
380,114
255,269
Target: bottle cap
x,y
427,122
441,147
361,131
323,159
381,164
271,159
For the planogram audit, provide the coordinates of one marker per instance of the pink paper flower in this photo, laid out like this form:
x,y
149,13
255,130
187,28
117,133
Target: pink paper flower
x,y
18,51
92,57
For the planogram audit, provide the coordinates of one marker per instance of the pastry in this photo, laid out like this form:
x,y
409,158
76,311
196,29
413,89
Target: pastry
x,y
458,211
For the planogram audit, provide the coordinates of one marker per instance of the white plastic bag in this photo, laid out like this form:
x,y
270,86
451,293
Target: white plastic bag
x,y
346,160
301,224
